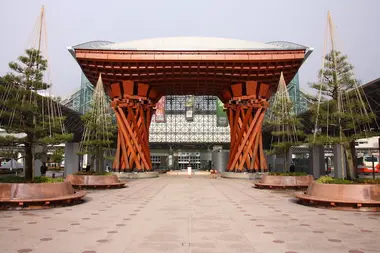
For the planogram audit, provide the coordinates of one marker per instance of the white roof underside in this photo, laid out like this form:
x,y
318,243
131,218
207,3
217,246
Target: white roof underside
x,y
189,44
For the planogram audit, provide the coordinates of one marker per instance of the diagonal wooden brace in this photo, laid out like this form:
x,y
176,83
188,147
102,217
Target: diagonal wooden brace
x,y
246,118
133,119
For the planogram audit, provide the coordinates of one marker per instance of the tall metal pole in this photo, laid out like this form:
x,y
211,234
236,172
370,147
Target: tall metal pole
x,y
373,167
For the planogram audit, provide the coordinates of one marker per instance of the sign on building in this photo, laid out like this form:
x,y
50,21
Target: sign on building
x,y
189,108
221,116
160,111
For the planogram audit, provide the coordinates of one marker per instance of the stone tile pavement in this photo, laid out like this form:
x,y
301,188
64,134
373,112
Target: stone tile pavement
x,y
177,214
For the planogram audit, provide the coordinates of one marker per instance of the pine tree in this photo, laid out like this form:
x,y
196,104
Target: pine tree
x,y
57,156
99,129
340,110
284,121
23,110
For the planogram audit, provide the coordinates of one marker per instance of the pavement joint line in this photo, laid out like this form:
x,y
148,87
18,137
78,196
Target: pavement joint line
x,y
233,221
126,248
185,205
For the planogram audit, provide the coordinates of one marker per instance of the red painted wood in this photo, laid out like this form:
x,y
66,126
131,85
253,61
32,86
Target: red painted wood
x,y
132,115
128,87
251,88
115,90
246,146
142,89
237,90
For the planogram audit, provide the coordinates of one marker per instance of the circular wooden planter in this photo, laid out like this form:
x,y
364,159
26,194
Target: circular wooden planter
x,y
43,194
233,175
284,182
93,181
363,197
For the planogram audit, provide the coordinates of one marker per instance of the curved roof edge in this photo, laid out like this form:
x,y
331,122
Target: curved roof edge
x,y
291,45
286,44
94,44
190,44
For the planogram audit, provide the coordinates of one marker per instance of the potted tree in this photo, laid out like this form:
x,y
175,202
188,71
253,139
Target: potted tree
x,y
96,143
286,134
28,123
342,114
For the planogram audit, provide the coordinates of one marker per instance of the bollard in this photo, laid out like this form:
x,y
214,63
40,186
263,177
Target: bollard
x,y
373,167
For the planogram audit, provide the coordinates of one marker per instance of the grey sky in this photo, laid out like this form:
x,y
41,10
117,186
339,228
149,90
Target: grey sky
x,y
301,21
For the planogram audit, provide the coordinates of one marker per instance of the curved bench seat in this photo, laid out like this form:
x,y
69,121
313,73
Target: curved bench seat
x,y
268,181
41,192
95,181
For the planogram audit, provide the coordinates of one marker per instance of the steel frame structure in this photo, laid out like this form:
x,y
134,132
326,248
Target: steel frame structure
x,y
202,129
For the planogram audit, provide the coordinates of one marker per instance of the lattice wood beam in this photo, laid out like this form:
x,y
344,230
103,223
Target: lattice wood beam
x,y
133,106
245,111
133,119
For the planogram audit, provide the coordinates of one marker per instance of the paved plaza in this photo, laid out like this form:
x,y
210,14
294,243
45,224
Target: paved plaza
x,y
178,214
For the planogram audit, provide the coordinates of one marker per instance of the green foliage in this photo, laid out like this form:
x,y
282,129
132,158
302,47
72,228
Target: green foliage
x,y
286,125
335,78
9,140
47,180
287,174
100,132
330,180
57,156
339,84
37,180
12,179
9,154
23,110
55,169
367,181
93,173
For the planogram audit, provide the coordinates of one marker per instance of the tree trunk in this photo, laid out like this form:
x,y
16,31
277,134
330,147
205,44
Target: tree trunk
x,y
99,161
348,149
91,162
28,166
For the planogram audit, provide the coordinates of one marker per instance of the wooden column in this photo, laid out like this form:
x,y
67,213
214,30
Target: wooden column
x,y
246,119
133,103
246,109
133,119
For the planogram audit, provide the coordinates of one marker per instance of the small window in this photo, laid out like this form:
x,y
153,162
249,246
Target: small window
x,y
369,159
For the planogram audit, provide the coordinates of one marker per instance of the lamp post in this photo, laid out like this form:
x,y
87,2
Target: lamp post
x,y
316,130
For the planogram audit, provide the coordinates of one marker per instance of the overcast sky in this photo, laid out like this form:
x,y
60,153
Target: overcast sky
x,y
71,22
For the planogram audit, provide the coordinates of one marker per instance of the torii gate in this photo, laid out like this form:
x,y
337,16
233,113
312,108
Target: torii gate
x,y
137,74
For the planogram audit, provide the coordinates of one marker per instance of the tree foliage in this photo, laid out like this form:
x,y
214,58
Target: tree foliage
x,y
284,122
287,127
343,114
340,112
57,156
99,132
23,110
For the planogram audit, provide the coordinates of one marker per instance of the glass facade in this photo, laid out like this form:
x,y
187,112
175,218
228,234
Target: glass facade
x,y
177,128
202,128
297,96
80,101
